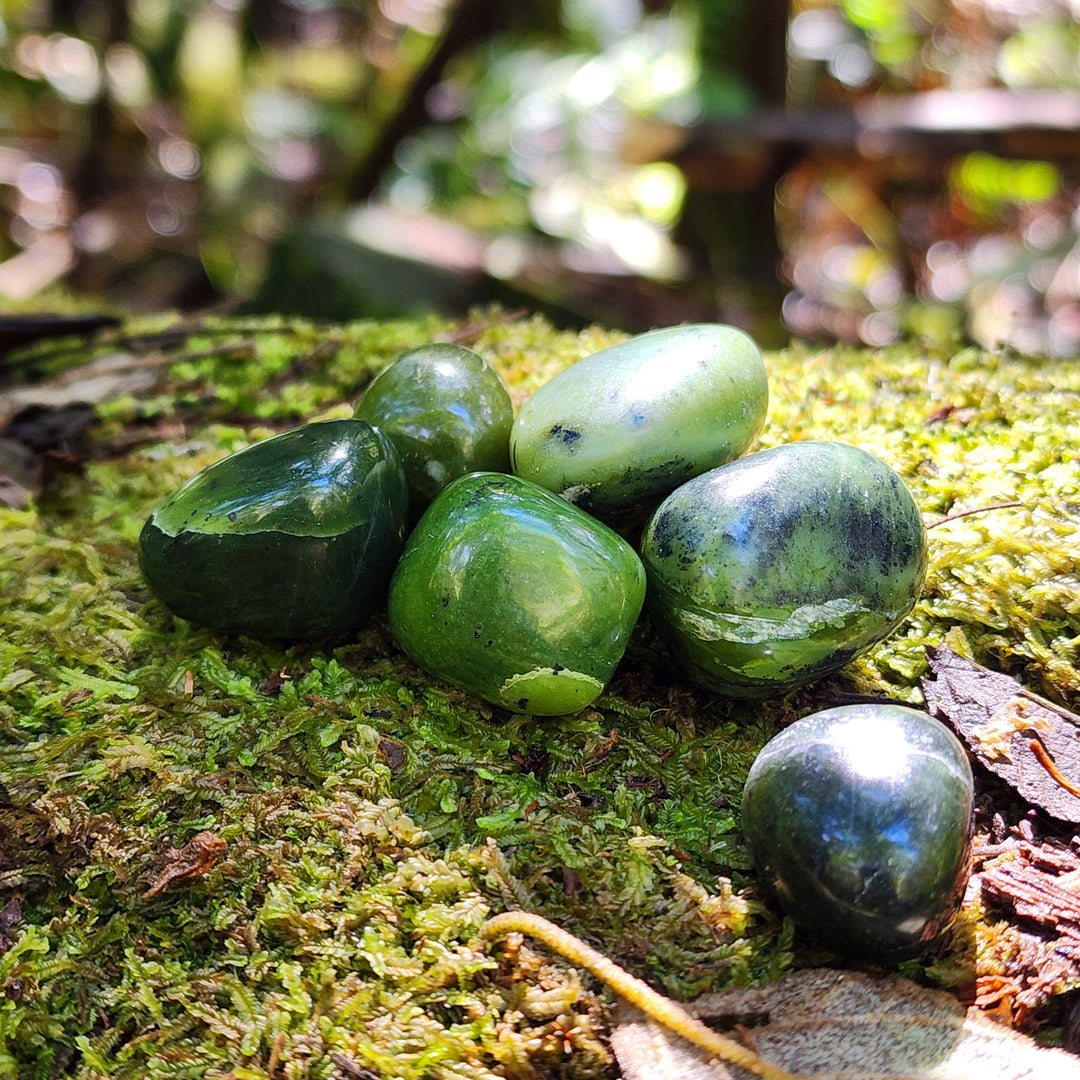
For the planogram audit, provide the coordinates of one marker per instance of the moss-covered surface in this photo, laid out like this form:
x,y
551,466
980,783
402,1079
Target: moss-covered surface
x,y
371,818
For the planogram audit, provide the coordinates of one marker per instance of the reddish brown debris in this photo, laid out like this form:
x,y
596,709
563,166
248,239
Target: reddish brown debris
x,y
1034,884
195,858
10,917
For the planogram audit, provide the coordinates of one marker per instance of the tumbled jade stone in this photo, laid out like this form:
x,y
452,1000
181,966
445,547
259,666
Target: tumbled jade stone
x,y
858,820
511,593
292,537
618,430
447,413
776,569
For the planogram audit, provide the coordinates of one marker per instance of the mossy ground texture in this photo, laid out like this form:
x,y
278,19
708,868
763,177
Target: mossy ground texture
x,y
371,818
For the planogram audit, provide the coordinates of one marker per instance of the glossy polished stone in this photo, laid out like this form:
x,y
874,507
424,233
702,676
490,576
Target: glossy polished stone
x,y
618,430
858,819
447,412
511,593
292,537
773,570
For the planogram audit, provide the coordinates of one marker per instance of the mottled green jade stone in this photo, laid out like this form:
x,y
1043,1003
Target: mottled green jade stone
x,y
776,569
858,820
618,430
447,412
292,537
511,593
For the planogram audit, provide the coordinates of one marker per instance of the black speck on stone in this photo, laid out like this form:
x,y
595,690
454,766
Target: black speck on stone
x,y
556,668
664,530
568,435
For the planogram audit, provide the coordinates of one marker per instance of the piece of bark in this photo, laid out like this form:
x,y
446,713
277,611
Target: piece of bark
x,y
18,330
1035,885
998,719
843,1025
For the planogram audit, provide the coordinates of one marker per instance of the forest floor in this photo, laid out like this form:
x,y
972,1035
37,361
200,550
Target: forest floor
x,y
226,858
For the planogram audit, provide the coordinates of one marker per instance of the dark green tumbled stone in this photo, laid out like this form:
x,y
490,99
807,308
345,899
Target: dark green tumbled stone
x,y
293,537
447,412
511,593
776,569
858,819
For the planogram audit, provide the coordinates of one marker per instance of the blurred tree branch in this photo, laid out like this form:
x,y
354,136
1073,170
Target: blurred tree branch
x,y
470,23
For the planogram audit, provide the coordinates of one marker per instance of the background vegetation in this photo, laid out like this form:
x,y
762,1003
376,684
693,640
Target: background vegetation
x,y
600,160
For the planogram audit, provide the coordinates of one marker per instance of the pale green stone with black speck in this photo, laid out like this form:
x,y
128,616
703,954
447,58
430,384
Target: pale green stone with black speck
x,y
511,593
618,430
776,569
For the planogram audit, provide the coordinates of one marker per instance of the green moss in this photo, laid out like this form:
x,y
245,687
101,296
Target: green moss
x,y
373,818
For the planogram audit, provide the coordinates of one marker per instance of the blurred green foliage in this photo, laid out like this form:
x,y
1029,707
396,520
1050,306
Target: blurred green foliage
x,y
171,153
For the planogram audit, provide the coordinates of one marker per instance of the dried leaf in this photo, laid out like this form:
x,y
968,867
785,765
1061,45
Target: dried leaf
x,y
195,858
98,380
843,1025
350,1068
999,720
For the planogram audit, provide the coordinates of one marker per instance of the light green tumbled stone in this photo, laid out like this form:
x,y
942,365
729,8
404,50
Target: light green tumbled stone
x,y
618,430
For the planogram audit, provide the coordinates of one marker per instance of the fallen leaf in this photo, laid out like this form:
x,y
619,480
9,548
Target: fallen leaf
x,y
998,719
350,1068
842,1025
195,858
98,380
393,753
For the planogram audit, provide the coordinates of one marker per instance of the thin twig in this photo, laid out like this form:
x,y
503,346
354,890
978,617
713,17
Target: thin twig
x,y
275,1053
350,1068
659,1008
1047,762
471,329
974,510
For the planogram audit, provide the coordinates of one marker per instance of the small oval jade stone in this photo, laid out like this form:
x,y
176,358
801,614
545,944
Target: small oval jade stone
x,y
776,569
511,593
618,430
292,537
858,820
447,412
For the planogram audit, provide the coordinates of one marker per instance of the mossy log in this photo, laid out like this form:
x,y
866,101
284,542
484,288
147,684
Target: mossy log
x,y
224,858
